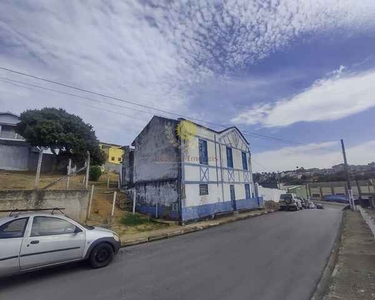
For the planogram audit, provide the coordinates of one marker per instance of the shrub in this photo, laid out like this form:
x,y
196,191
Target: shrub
x,y
95,173
133,220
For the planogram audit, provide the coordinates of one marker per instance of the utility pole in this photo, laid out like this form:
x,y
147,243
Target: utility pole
x,y
68,173
87,170
350,192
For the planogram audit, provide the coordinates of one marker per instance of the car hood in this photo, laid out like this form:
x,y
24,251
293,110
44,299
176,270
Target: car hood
x,y
101,229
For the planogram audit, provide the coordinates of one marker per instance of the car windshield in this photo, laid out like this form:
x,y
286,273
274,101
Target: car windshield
x,y
88,227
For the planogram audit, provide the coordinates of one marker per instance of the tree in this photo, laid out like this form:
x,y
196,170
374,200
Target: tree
x,y
58,130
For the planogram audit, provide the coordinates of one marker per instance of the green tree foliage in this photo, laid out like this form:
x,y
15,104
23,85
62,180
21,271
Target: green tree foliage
x,y
94,173
57,129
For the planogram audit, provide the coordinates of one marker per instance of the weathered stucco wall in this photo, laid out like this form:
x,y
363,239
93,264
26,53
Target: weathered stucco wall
x,y
75,202
156,169
159,198
14,155
155,154
127,169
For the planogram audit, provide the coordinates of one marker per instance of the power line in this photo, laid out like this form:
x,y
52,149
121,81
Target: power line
x,y
69,94
145,106
252,159
22,83
92,106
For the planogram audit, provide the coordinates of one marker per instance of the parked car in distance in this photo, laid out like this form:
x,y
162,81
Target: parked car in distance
x,y
33,241
336,198
312,205
319,206
289,201
305,203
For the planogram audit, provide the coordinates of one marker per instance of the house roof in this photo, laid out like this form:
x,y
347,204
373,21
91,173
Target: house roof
x,y
154,117
9,113
110,144
199,125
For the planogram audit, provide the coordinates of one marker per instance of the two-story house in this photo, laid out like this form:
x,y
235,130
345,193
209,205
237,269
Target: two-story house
x,y
8,122
185,171
113,154
14,150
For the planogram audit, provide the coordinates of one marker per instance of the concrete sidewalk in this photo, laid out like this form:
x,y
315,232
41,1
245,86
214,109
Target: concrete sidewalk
x,y
354,274
144,237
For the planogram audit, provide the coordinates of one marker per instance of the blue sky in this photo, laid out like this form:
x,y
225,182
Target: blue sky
x,y
296,70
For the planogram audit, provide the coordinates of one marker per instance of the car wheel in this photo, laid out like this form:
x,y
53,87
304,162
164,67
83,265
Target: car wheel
x,y
101,256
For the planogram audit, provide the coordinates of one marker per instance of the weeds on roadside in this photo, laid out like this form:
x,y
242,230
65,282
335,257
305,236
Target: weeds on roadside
x,y
133,220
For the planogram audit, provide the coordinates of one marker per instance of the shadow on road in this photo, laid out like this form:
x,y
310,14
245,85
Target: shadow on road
x,y
30,277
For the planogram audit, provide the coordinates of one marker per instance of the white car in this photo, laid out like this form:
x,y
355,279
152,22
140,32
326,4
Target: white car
x,y
312,205
34,241
289,201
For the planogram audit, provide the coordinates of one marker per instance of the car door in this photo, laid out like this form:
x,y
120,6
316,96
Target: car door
x,y
11,236
51,240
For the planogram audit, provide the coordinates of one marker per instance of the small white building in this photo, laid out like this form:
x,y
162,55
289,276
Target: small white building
x,y
185,171
14,151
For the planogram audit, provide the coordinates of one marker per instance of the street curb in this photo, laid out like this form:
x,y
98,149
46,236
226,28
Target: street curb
x,y
328,273
187,230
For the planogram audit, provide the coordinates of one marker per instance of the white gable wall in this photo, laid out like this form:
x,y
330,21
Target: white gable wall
x,y
218,176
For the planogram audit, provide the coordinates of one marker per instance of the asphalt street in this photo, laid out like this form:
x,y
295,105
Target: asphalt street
x,y
271,257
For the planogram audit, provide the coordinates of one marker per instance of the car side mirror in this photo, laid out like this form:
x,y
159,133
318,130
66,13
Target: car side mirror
x,y
77,230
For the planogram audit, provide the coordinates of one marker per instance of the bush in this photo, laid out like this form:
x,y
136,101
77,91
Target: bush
x,y
133,220
95,173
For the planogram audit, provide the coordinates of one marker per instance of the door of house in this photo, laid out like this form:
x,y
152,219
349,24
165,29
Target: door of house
x,y
233,197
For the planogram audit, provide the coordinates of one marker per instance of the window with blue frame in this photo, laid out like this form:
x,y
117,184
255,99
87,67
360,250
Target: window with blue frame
x,y
244,161
247,190
229,158
203,156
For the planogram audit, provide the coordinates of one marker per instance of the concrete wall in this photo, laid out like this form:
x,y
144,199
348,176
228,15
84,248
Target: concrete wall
x,y
74,202
339,188
270,194
155,156
110,167
48,162
127,167
156,169
158,199
14,155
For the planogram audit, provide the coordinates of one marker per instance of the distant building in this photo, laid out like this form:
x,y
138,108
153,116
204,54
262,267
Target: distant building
x,y
184,171
14,151
114,154
8,123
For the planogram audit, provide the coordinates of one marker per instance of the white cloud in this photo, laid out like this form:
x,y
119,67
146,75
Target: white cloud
x,y
151,52
326,100
322,155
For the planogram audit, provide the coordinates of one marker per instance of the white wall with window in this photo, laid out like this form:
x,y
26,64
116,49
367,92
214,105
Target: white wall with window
x,y
211,162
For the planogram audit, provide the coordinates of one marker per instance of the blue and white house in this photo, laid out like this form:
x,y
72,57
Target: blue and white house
x,y
185,171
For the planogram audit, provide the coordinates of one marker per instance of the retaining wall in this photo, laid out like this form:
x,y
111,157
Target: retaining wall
x,y
74,201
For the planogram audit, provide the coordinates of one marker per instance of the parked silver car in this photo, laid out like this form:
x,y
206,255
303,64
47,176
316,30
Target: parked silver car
x,y
34,241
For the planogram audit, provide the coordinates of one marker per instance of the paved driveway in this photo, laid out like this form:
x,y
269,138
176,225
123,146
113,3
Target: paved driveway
x,y
271,257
